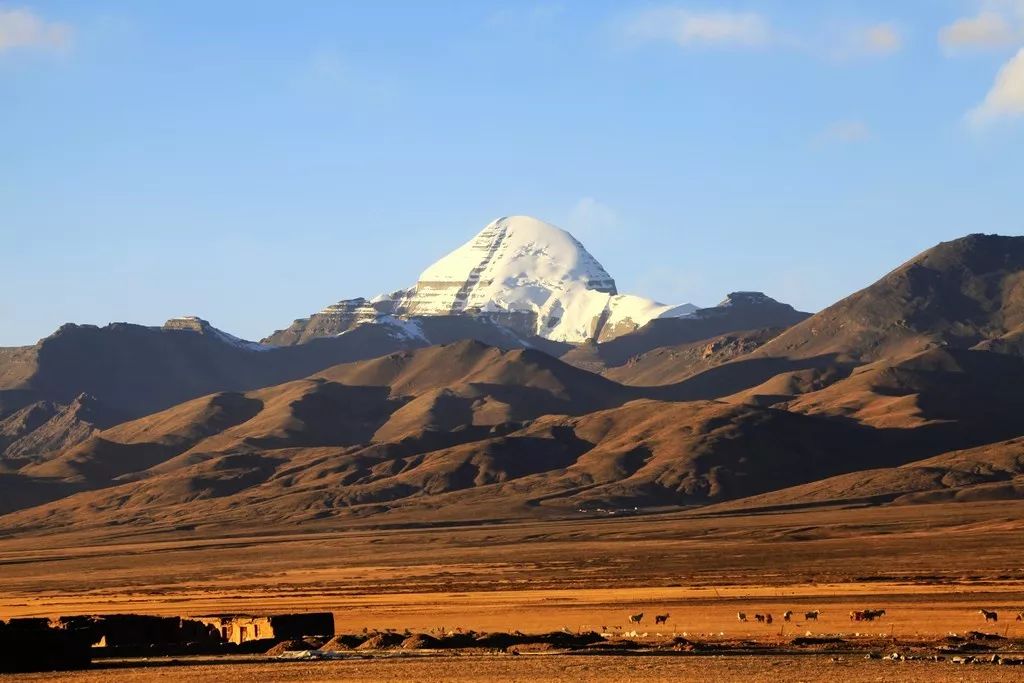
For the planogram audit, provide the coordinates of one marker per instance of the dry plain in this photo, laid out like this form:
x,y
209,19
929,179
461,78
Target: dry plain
x,y
940,561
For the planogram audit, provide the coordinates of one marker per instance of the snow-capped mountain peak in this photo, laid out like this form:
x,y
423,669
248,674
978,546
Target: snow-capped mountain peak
x,y
534,277
512,254
519,273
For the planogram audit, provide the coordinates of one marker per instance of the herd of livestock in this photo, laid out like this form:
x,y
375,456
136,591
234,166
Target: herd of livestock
x,y
855,615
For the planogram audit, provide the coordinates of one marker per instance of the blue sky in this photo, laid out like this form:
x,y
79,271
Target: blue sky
x,y
251,162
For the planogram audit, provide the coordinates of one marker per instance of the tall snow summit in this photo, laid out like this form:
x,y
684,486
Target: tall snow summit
x,y
519,272
535,277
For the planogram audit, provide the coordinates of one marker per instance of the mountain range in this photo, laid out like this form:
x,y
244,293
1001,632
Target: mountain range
x,y
513,380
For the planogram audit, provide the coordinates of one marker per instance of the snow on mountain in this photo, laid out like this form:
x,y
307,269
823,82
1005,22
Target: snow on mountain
x,y
521,274
399,327
534,277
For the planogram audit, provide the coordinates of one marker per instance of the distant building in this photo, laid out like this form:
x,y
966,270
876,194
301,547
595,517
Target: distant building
x,y
133,630
239,628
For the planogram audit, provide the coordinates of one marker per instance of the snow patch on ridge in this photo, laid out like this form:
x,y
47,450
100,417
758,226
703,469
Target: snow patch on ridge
x,y
409,329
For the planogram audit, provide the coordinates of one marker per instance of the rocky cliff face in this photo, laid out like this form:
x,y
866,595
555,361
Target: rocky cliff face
x,y
331,321
45,427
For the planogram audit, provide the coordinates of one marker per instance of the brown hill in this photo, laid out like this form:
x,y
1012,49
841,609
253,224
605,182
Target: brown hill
x,y
134,370
391,398
471,362
140,444
990,472
740,311
44,427
958,293
671,364
963,397
642,454
923,362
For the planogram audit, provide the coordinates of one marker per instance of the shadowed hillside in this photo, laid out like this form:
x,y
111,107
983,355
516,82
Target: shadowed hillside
x,y
866,401
957,293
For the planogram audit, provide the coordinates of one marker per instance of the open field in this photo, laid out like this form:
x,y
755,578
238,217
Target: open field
x,y
931,567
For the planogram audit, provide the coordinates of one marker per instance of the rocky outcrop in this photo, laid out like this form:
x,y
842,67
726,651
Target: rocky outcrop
x,y
64,427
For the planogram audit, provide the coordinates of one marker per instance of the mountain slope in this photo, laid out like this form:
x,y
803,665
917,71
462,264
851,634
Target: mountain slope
x,y
675,363
44,427
739,312
400,396
991,472
133,370
641,454
958,293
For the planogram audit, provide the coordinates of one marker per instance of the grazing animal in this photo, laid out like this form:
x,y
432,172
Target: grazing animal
x,y
741,616
989,616
787,615
1020,616
636,618
867,614
812,616
661,618
759,618
768,618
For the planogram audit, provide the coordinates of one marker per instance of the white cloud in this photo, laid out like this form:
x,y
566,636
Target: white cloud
x,y
700,29
988,29
1006,98
20,28
846,131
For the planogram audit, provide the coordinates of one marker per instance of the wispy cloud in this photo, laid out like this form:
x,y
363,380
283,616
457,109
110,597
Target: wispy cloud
x,y
845,131
699,29
1006,97
21,28
986,30
690,29
998,24
877,40
881,39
